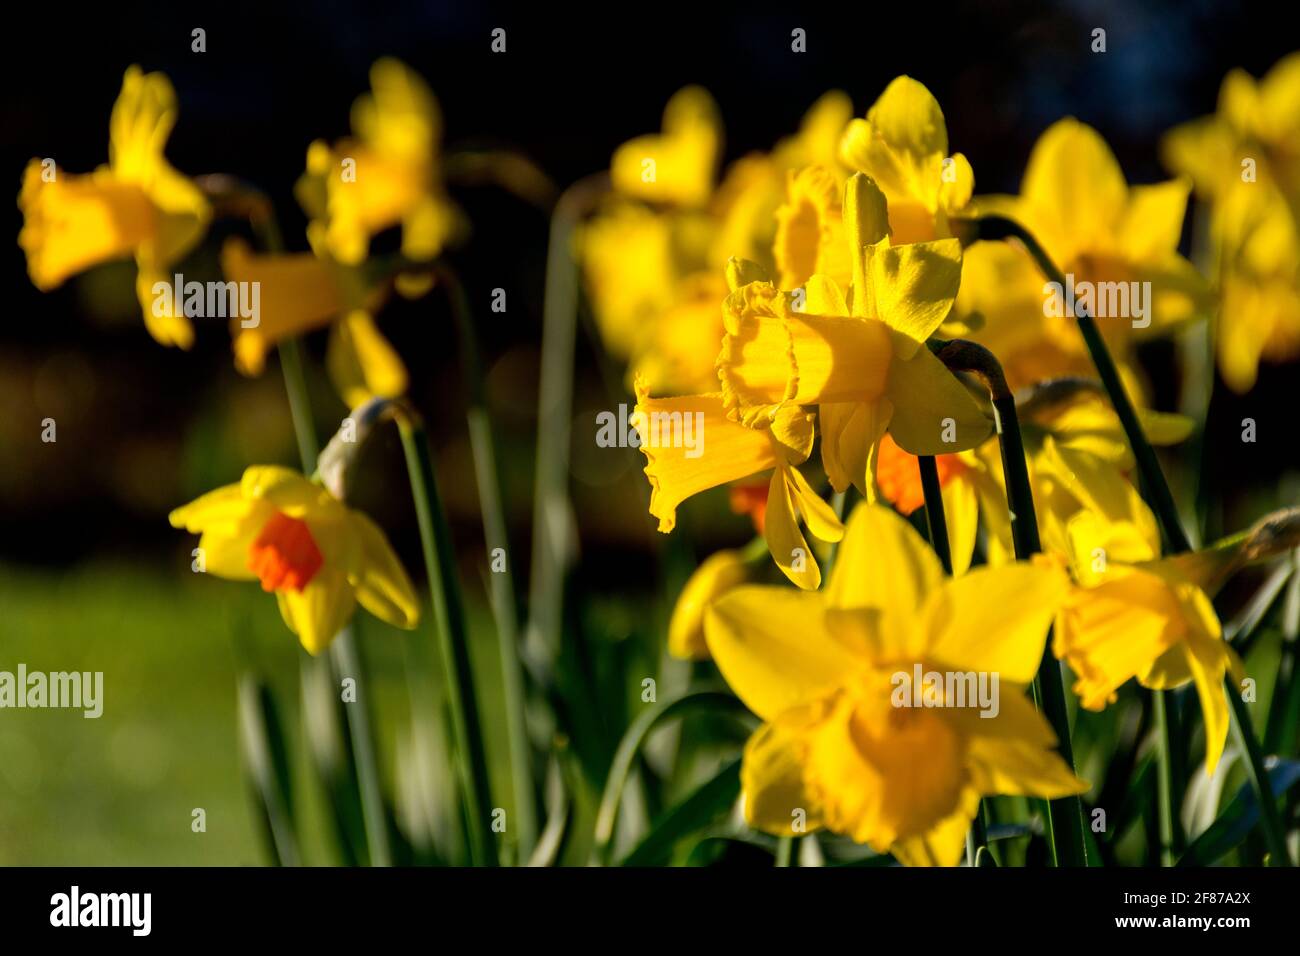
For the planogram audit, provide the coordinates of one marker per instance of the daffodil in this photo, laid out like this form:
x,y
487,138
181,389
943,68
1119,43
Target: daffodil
x,y
1134,615
1078,460
387,174
1110,239
718,574
860,358
1245,161
137,205
653,255
301,292
723,451
318,556
903,146
831,674
677,165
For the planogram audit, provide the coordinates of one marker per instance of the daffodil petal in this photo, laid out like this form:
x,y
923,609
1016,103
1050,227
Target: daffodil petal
x,y
883,563
930,406
320,610
381,583
769,644
771,777
785,541
914,287
995,619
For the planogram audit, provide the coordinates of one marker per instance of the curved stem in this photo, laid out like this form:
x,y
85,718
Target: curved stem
x,y
621,766
1065,815
934,516
1162,502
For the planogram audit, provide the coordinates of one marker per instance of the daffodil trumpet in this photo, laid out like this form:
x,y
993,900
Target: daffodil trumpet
x,y
1065,815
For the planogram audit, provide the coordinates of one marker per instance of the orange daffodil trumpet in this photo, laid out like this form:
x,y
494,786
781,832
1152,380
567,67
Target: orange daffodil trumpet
x,y
831,675
318,556
137,205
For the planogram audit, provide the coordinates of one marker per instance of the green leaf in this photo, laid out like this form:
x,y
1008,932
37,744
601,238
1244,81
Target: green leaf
x,y
627,750
1238,818
694,813
261,738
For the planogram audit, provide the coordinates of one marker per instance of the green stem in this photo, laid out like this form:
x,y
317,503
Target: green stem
x,y
552,549
1065,815
786,854
934,516
937,523
1164,778
453,641
500,583
1162,502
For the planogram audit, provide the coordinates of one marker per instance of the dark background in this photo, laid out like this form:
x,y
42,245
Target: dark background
x,y
142,428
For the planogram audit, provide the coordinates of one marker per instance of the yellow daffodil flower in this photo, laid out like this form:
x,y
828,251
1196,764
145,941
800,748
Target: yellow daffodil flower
x,y
860,358
831,674
654,253
137,205
301,292
721,451
675,166
1105,237
903,145
720,573
386,175
1078,458
318,556
1135,616
1245,161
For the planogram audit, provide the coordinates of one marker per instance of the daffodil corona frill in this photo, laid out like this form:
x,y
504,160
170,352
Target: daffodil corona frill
x,y
1245,162
1116,242
860,356
730,452
318,556
839,744
137,205
386,175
